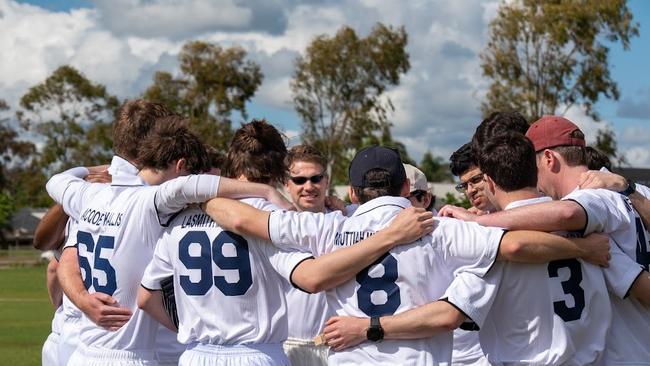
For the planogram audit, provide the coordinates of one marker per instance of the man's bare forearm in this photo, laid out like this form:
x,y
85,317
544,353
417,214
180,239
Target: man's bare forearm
x,y
53,286
340,266
547,216
69,275
422,322
50,232
152,303
239,217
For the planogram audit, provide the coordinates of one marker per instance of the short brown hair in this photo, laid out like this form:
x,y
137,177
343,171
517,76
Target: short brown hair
x,y
257,151
379,185
170,141
306,153
572,155
135,121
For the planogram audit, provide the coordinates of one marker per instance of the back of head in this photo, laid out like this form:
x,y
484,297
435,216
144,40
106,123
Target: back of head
x,y
135,121
509,159
560,135
257,152
498,123
171,140
305,153
376,171
217,158
596,159
462,160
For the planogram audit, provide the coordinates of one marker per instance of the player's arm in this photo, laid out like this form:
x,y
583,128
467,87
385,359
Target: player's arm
x,y
50,232
539,247
151,301
337,267
54,290
547,216
102,309
425,321
174,195
239,217
596,179
640,289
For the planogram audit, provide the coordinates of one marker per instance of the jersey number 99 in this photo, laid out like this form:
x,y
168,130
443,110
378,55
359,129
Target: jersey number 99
x,y
213,252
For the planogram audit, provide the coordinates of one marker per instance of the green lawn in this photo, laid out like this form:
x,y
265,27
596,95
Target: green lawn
x,y
25,315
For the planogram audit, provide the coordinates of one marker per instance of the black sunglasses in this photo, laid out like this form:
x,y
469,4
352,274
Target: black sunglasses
x,y
462,187
302,180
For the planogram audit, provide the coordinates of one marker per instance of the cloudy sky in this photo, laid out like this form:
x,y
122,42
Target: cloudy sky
x,y
121,43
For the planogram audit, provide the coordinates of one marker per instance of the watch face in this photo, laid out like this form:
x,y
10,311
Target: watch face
x,y
374,334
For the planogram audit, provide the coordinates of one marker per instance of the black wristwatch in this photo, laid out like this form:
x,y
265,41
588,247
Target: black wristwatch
x,y
375,333
631,188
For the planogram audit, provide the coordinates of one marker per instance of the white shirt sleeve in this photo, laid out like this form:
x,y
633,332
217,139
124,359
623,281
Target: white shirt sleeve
x,y
159,268
283,261
305,231
621,273
67,189
606,211
173,195
474,295
467,246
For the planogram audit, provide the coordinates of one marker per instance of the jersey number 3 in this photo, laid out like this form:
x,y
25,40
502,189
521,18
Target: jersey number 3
x,y
385,283
570,287
100,263
213,252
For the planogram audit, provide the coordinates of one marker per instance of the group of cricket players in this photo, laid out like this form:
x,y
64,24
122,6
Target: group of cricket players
x,y
177,254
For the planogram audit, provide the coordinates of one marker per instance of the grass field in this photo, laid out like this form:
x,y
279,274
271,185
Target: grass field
x,y
26,314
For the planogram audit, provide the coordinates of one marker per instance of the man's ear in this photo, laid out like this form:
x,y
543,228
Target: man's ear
x,y
490,183
180,165
352,195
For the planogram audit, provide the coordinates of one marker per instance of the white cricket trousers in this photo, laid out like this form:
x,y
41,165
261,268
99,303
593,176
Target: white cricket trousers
x,y
305,353
92,356
239,355
49,356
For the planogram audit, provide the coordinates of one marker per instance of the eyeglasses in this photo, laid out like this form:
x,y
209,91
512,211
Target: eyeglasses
x,y
418,195
462,187
302,180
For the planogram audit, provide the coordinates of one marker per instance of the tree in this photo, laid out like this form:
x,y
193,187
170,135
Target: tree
x,y
435,168
11,148
73,116
214,83
12,153
338,89
606,143
545,56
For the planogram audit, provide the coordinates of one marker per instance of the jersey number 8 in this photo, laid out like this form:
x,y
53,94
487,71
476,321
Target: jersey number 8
x,y
386,283
213,252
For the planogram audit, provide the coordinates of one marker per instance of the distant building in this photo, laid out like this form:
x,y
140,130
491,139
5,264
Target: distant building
x,y
22,226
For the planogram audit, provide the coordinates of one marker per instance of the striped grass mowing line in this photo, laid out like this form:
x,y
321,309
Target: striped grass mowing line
x,y
26,315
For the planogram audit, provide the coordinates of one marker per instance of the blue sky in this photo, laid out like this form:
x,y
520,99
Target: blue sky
x,y
436,102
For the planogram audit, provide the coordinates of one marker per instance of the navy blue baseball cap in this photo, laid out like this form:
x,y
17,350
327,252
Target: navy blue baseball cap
x,y
376,157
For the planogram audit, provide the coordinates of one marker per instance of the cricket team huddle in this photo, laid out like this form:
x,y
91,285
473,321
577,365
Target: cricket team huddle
x,y
176,254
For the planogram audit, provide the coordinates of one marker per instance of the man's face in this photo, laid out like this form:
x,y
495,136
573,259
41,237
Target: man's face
x,y
544,177
307,194
475,191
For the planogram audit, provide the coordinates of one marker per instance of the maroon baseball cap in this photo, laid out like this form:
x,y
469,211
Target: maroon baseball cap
x,y
552,131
